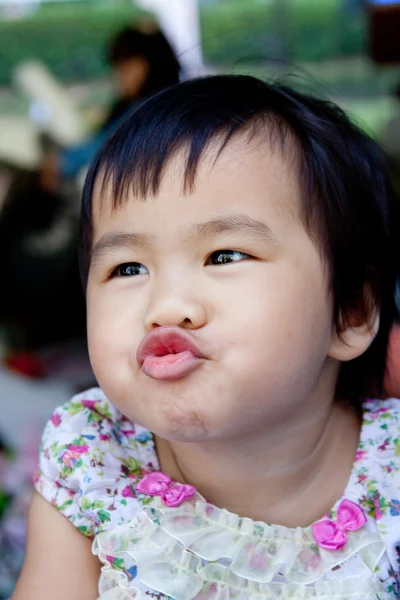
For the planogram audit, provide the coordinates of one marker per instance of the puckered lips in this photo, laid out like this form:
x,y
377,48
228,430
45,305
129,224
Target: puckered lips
x,y
169,354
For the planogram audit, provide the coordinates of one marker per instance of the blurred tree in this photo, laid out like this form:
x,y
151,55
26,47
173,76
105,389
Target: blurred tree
x,y
282,21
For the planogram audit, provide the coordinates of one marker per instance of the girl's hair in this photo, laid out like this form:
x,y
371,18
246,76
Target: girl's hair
x,y
155,48
347,204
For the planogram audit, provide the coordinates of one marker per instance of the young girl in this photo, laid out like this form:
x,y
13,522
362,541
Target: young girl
x,y
239,252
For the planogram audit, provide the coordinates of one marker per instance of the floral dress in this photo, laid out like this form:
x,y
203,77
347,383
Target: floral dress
x,y
160,539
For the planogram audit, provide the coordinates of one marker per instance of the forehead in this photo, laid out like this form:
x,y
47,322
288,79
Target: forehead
x,y
252,176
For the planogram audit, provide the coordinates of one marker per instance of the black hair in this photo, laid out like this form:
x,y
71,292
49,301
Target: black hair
x,y
131,42
347,203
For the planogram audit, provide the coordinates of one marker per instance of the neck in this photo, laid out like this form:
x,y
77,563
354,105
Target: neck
x,y
290,475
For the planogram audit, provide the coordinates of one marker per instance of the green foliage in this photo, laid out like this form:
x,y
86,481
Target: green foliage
x,y
305,31
71,40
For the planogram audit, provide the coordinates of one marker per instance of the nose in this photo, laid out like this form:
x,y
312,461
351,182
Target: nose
x,y
171,305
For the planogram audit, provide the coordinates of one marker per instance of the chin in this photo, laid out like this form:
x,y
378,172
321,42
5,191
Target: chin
x,y
179,425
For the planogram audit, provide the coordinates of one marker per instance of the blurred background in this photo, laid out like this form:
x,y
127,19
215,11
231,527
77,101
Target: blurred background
x,y
69,71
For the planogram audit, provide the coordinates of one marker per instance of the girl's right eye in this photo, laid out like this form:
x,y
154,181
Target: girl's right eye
x,y
130,270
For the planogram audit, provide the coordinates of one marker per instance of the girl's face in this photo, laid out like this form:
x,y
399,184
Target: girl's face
x,y
131,75
232,265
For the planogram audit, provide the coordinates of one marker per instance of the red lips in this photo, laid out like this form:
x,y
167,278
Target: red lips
x,y
169,353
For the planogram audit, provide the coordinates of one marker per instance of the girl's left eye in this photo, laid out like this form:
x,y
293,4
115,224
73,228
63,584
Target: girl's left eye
x,y
130,270
225,257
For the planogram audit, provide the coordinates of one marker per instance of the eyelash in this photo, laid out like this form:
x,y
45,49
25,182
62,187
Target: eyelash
x,y
236,253
117,272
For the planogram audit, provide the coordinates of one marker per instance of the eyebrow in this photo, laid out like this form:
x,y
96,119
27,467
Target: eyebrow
x,y
231,223
119,239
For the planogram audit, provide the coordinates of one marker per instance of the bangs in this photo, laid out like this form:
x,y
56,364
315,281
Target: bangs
x,y
135,159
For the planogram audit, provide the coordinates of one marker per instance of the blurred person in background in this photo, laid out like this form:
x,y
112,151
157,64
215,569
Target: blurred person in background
x,y
143,63
42,303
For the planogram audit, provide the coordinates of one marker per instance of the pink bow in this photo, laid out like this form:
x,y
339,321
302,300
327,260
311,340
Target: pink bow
x,y
332,535
159,484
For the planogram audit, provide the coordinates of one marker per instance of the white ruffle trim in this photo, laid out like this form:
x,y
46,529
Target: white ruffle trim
x,y
352,588
169,546
258,551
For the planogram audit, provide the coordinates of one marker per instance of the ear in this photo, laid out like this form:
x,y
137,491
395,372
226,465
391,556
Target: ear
x,y
354,339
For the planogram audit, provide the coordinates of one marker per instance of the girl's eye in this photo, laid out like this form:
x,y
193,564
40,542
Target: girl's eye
x,y
129,270
225,257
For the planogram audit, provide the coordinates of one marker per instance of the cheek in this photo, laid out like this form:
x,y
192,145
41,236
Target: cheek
x,y
110,314
109,332
98,321
100,349
283,313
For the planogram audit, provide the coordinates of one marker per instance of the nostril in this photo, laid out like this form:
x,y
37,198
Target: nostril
x,y
186,324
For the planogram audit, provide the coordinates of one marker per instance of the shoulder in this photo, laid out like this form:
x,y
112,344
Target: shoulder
x,y
90,454
374,483
380,434
377,471
382,416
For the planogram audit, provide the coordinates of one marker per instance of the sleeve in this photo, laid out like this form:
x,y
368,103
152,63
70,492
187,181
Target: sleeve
x,y
86,462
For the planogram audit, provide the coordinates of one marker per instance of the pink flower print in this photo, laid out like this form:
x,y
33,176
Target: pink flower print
x,y
209,509
108,547
71,456
378,512
56,419
128,432
384,445
387,468
92,516
259,562
212,590
104,437
127,492
362,477
84,449
377,413
310,559
89,404
181,520
360,454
